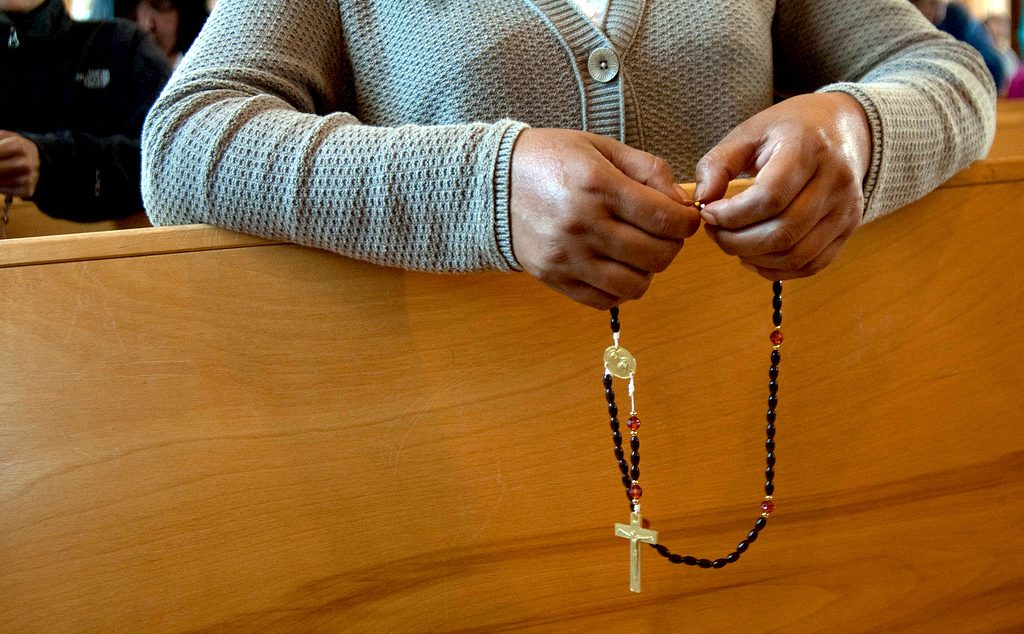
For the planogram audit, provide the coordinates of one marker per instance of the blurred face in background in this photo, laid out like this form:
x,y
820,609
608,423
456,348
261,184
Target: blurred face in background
x,y
19,6
160,19
934,10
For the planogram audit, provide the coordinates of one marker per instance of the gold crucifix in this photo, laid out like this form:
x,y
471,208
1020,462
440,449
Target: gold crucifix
x,y
635,533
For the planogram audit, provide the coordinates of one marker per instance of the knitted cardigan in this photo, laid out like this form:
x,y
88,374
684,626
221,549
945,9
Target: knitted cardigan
x,y
383,129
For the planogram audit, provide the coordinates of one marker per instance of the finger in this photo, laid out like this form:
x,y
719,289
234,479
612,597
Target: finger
x,y
625,243
731,157
643,167
587,295
831,228
785,173
10,147
783,232
813,267
616,279
650,210
13,166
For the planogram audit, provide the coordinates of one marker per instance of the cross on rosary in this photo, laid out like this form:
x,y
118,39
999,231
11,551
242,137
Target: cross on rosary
x,y
635,533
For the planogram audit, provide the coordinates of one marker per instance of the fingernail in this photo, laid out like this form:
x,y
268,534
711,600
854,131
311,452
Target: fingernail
x,y
698,192
709,217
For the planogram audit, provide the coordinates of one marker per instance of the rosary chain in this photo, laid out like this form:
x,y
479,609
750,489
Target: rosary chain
x,y
631,471
6,216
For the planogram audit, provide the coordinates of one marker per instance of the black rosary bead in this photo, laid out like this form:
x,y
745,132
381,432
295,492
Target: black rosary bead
x,y
690,560
634,443
634,458
770,416
607,381
704,563
617,438
627,483
777,318
770,445
773,387
776,287
769,488
613,410
773,401
742,546
731,557
773,372
624,468
609,395
769,473
752,536
674,558
760,523
777,302
719,563
776,357
614,424
619,454
770,430
770,459
634,472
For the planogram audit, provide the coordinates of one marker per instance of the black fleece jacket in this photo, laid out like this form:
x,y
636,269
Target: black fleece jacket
x,y
80,91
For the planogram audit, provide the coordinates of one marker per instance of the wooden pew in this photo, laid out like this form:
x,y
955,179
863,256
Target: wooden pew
x,y
204,431
1009,139
26,220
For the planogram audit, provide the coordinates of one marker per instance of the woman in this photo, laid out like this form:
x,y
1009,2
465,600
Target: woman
x,y
524,135
173,24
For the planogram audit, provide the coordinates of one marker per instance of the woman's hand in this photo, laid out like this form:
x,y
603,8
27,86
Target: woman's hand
x,y
810,155
594,218
19,165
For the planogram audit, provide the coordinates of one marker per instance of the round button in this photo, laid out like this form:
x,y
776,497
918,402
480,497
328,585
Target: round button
x,y
603,64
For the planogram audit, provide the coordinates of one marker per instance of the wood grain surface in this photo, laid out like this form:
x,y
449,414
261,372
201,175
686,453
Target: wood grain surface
x,y
264,437
1009,139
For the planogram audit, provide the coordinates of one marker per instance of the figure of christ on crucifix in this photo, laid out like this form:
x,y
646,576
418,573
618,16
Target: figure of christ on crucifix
x,y
635,533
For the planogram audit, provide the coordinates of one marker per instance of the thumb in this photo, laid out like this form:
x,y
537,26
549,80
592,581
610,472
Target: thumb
x,y
731,157
643,167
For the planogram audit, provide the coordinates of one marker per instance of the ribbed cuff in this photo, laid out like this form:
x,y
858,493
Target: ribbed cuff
x,y
503,192
875,121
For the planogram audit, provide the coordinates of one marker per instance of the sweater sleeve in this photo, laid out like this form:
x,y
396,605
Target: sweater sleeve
x,y
929,99
256,132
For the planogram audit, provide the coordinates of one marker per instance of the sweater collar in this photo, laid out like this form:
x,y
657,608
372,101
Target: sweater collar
x,y
45,22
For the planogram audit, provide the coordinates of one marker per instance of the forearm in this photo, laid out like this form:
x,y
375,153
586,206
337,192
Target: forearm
x,y
420,197
929,99
932,113
87,178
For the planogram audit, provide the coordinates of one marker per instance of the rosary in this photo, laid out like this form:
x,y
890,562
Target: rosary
x,y
5,216
619,363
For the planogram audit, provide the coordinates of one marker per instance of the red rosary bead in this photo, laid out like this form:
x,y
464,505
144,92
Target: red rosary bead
x,y
635,492
633,423
776,337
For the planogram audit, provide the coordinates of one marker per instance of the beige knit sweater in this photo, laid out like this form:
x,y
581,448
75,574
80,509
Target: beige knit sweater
x,y
383,129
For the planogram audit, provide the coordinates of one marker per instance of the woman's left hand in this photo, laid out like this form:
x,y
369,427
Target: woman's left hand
x,y
809,155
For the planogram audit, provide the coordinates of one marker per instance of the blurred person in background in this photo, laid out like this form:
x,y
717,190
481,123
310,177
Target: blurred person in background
x,y
173,24
955,19
998,27
75,97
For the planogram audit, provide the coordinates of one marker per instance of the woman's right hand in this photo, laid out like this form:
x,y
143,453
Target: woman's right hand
x,y
592,217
